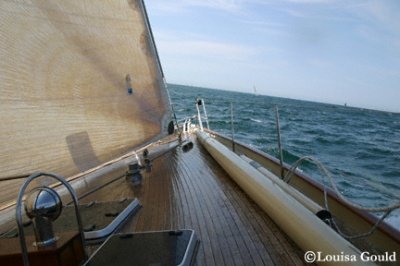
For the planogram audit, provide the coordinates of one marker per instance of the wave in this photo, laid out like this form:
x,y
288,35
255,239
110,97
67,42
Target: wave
x,y
394,219
356,144
392,173
256,120
329,140
374,153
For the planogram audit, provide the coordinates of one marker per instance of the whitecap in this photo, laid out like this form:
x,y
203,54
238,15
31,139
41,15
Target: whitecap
x,y
256,120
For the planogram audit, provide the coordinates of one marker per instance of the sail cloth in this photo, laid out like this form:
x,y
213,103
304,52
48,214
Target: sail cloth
x,y
80,84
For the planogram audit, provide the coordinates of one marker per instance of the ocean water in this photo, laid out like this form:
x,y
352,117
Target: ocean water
x,y
361,148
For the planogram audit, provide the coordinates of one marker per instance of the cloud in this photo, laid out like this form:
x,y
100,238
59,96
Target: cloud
x,y
226,5
345,45
174,44
311,1
379,22
375,12
176,6
385,13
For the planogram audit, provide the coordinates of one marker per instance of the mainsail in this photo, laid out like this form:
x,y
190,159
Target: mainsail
x,y
80,84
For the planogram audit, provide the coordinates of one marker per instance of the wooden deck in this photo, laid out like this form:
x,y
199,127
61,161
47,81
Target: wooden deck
x,y
190,190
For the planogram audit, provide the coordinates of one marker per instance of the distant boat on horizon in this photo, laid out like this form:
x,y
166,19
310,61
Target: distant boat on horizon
x,y
255,90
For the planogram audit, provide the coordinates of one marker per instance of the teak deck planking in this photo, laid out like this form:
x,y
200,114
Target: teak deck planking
x,y
190,190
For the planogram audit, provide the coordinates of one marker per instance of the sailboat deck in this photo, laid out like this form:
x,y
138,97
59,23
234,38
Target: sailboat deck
x,y
191,191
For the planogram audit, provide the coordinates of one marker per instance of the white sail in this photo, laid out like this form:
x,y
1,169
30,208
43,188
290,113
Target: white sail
x,y
80,83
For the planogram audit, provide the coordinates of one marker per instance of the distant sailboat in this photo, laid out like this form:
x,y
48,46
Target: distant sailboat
x,y
255,90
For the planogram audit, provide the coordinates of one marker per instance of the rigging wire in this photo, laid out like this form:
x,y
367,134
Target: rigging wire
x,y
326,174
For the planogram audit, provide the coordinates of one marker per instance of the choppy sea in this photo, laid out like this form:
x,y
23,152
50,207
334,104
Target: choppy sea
x,y
360,147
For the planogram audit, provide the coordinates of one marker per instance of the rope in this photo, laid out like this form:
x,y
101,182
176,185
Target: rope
x,y
325,173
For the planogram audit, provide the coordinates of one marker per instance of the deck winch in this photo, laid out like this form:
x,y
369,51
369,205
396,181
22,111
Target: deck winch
x,y
43,205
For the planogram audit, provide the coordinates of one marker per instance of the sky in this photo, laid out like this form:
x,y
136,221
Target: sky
x,y
332,51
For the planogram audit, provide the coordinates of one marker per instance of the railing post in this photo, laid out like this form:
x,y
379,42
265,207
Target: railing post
x,y
278,132
232,129
198,102
205,114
